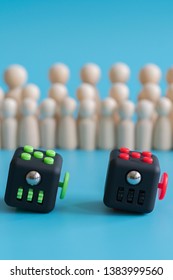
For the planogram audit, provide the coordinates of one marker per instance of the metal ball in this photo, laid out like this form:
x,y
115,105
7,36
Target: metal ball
x,y
133,177
33,178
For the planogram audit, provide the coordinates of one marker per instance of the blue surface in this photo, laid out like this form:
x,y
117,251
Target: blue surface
x,y
81,227
39,33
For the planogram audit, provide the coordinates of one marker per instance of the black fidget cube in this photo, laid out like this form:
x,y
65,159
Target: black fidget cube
x,y
33,179
132,181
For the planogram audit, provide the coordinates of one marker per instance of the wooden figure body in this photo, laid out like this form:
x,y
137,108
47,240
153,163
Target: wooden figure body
x,y
87,125
67,129
162,137
106,125
28,124
9,124
48,124
144,126
126,128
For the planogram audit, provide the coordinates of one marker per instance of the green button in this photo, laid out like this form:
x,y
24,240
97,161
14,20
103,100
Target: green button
x,y
30,195
38,154
40,197
19,193
48,160
25,156
50,153
28,149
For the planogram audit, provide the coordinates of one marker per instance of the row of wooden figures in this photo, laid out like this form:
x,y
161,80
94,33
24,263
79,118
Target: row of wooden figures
x,y
16,75
50,126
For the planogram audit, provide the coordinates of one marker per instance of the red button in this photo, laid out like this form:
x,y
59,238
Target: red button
x,y
162,186
148,160
135,155
146,154
124,150
124,156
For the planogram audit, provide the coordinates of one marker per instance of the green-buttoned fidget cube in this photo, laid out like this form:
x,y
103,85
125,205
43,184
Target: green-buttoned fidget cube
x,y
33,179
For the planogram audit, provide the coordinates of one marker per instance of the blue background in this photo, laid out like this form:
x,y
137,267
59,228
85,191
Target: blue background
x,y
38,33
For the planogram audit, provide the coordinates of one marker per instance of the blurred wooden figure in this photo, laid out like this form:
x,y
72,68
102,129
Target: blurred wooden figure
x,y
119,73
162,137
90,73
15,76
169,75
47,123
106,125
67,129
28,124
31,91
144,126
59,73
9,124
87,125
150,73
126,127
120,93
58,92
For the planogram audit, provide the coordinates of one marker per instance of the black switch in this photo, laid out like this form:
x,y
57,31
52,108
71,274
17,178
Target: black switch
x,y
120,194
141,197
130,196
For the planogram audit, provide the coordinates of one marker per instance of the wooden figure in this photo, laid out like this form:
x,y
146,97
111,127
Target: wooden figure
x,y
125,127
106,125
119,92
150,73
15,76
67,129
144,125
48,123
87,125
59,73
162,136
119,73
151,92
9,124
169,75
90,74
28,124
31,91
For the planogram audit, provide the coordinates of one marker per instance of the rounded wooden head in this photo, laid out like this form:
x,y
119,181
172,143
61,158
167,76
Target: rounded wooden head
x,y
48,108
15,76
108,106
150,73
144,109
126,109
90,73
59,73
164,106
58,92
119,92
119,73
28,107
85,91
87,108
68,106
31,91
9,108
151,92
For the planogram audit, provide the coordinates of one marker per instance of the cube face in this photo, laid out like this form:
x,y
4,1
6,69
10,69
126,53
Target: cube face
x,y
33,179
131,182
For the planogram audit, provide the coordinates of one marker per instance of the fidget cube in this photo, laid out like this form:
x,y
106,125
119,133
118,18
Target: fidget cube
x,y
33,179
133,180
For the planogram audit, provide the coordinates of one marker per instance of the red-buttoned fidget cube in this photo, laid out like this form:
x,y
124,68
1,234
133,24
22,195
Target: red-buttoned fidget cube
x,y
133,180
33,179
